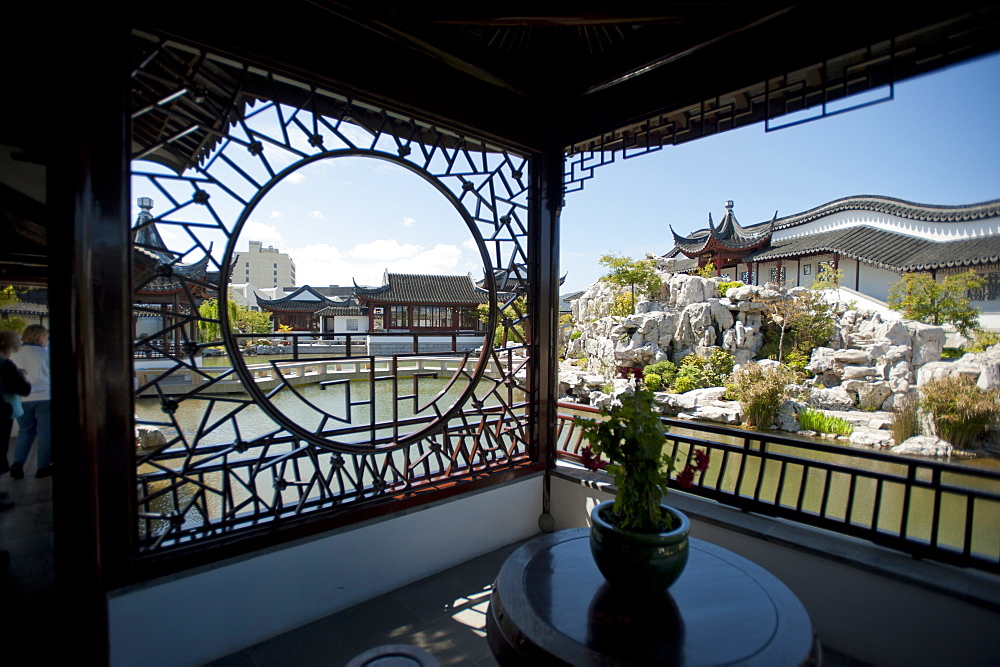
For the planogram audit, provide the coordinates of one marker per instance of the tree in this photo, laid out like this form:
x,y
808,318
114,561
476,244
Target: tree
x,y
208,327
250,321
827,277
241,319
632,273
707,271
806,316
8,297
510,321
918,296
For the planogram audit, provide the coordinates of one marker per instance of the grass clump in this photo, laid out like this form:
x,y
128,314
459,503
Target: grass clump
x,y
981,340
819,421
905,420
726,285
761,391
960,411
575,335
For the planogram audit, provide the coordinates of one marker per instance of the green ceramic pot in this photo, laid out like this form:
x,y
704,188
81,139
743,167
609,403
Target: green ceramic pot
x,y
638,563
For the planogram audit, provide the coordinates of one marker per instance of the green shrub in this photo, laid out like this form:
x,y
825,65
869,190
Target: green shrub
x,y
667,370
961,411
720,367
609,388
575,335
697,372
725,285
760,392
622,305
952,353
905,420
797,360
653,381
819,421
982,340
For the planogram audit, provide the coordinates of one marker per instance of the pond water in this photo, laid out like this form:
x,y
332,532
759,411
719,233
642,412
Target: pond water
x,y
307,404
813,485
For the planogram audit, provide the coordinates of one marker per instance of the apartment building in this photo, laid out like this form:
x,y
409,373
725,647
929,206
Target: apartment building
x,y
263,267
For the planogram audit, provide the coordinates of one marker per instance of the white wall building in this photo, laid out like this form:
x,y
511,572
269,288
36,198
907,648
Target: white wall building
x,y
263,267
872,240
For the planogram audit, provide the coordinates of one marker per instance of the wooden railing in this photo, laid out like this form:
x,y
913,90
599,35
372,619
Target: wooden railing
x,y
925,507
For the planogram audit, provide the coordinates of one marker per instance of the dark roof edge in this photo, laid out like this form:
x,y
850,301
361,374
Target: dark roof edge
x,y
890,205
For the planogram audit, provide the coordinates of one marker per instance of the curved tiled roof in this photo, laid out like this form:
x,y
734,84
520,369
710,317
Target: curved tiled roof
x,y
728,234
887,250
896,207
424,289
353,310
26,308
150,251
291,303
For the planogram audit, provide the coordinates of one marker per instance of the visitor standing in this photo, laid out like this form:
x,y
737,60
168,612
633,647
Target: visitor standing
x,y
13,386
36,419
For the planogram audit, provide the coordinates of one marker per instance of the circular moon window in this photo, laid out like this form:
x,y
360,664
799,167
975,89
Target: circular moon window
x,y
374,279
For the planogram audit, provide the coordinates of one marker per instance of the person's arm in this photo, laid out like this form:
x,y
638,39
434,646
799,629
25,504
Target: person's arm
x,y
12,379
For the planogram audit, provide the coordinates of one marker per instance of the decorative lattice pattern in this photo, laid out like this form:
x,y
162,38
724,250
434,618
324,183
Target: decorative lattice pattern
x,y
255,444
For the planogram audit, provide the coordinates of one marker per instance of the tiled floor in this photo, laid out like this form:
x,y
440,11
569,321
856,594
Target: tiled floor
x,y
26,532
444,614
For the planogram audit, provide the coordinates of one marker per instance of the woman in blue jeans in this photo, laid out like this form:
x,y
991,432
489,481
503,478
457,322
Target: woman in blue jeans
x,y
36,421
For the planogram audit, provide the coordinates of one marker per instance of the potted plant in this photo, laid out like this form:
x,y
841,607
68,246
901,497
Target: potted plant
x,y
639,544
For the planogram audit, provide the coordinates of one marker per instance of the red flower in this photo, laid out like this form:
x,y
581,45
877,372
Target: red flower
x,y
591,462
698,462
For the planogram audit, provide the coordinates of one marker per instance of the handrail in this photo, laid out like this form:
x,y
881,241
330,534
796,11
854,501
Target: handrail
x,y
924,507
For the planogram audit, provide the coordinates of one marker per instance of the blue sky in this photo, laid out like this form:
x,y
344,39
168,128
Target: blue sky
x,y
937,142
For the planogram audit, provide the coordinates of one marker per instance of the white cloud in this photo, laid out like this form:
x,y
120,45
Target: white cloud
x,y
295,177
442,258
408,222
470,244
321,264
385,250
276,214
317,214
259,231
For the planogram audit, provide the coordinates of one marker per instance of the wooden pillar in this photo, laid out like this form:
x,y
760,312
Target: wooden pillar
x,y
545,200
94,493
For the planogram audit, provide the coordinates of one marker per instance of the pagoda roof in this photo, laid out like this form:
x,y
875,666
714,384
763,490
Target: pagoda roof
x,y
304,299
152,255
729,234
423,289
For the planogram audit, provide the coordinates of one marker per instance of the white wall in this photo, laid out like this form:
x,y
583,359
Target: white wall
x,y
875,282
194,617
932,231
340,324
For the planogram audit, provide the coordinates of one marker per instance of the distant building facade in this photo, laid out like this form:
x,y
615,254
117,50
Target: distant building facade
x,y
871,240
263,267
423,303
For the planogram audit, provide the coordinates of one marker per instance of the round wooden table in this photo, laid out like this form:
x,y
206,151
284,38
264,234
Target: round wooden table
x,y
550,605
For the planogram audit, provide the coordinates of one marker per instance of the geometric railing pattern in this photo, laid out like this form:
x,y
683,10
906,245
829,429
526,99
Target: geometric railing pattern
x,y
920,506
251,444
